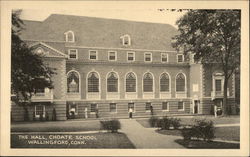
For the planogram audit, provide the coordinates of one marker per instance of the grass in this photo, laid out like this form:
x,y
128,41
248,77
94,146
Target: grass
x,y
97,140
58,126
190,120
223,133
196,144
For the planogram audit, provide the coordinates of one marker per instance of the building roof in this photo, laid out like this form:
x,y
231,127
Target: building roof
x,y
101,32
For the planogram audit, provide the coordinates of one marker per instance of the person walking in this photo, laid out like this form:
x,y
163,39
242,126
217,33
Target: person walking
x,y
215,111
151,110
130,113
86,112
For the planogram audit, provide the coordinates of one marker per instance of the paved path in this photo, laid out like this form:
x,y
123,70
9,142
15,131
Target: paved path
x,y
147,137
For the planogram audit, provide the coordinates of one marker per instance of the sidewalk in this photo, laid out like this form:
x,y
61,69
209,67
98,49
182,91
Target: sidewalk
x,y
146,137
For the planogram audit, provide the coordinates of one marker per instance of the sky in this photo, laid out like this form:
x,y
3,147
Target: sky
x,y
145,14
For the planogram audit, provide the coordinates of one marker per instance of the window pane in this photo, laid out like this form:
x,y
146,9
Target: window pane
x,y
180,58
130,83
148,83
73,82
112,56
164,83
72,53
218,85
112,107
165,106
93,82
164,57
39,110
148,104
180,105
180,83
92,55
130,56
112,82
93,107
148,57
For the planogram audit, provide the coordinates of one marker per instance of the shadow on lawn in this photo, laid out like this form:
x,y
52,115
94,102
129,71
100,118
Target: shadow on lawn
x,y
197,144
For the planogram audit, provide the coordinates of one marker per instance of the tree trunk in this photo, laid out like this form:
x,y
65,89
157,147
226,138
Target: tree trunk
x,y
225,106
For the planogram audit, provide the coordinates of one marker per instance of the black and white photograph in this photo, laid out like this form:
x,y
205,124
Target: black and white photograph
x,y
125,76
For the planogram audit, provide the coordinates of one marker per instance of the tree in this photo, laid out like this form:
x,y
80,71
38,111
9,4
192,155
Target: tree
x,y
213,36
28,72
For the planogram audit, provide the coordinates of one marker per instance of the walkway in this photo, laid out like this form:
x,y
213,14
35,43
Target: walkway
x,y
147,137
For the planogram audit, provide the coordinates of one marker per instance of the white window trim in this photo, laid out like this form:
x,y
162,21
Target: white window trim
x,y
136,83
177,56
169,83
153,83
79,82
118,88
123,40
185,83
151,56
96,55
99,88
37,116
161,57
167,106
115,55
69,54
133,56
66,36
115,107
218,76
183,106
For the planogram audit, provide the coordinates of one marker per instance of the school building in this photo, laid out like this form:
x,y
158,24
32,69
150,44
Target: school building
x,y
104,66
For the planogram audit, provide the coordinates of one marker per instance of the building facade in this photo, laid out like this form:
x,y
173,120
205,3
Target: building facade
x,y
106,66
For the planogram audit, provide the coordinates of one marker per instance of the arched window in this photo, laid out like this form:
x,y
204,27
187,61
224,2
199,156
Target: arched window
x,y
73,82
69,36
112,82
180,83
130,82
164,82
93,82
148,82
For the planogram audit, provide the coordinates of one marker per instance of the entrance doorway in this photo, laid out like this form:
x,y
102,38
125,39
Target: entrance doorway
x,y
196,106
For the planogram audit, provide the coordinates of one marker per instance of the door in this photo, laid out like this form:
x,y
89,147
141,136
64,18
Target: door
x,y
196,105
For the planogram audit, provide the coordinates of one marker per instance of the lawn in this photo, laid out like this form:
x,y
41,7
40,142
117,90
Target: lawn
x,y
223,133
58,126
97,140
191,120
196,144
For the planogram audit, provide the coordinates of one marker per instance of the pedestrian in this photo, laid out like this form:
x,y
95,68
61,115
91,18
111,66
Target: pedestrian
x,y
215,111
97,112
151,110
86,112
130,113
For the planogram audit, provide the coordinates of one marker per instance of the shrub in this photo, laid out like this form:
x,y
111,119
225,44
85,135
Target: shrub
x,y
165,123
201,130
111,125
153,121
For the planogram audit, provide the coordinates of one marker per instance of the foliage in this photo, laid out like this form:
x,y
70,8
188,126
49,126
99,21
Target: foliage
x,y
201,130
153,121
28,72
213,36
165,123
111,125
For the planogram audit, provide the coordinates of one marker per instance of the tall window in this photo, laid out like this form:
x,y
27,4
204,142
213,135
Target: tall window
x,y
148,57
40,110
112,107
164,82
130,82
180,83
164,57
218,85
148,82
180,58
93,82
112,82
165,106
93,107
73,54
112,55
147,107
180,105
73,82
93,55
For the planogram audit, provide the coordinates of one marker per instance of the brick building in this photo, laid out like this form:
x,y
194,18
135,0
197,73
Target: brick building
x,y
107,66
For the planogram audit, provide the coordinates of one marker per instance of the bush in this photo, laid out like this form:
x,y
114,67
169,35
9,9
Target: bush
x,y
111,125
201,130
153,121
165,123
